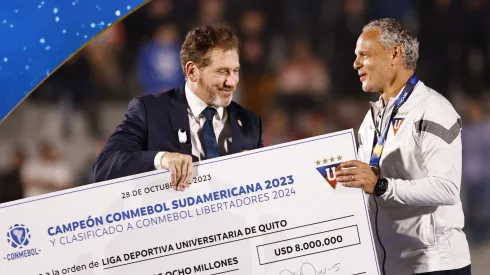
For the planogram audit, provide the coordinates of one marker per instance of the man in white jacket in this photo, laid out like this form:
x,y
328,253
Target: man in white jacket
x,y
410,160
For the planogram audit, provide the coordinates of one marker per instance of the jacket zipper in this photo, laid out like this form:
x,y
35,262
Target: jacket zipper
x,y
374,197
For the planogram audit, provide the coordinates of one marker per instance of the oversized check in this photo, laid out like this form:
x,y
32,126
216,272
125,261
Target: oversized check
x,y
276,210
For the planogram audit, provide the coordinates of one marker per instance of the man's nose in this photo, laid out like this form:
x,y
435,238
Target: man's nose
x,y
231,80
357,64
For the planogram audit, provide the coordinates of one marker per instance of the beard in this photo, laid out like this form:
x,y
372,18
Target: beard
x,y
211,97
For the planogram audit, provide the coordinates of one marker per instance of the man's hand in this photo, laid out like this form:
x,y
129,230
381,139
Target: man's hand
x,y
180,167
358,174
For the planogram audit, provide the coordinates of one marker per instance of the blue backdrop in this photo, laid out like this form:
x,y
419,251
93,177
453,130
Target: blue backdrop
x,y
38,36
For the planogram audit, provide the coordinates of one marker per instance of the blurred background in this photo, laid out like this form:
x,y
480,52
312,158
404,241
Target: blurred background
x,y
297,74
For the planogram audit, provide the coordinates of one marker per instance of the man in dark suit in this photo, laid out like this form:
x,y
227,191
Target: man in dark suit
x,y
196,121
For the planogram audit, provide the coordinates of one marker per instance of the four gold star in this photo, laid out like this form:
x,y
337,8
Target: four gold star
x,y
325,160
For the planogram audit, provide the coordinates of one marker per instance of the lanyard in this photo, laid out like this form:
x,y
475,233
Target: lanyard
x,y
381,139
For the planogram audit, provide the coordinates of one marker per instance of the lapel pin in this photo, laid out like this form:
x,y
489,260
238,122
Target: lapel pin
x,y
182,136
239,123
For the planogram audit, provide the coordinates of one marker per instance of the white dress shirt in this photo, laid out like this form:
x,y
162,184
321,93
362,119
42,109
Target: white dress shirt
x,y
222,129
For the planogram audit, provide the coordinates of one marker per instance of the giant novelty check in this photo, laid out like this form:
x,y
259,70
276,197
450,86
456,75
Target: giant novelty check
x,y
276,210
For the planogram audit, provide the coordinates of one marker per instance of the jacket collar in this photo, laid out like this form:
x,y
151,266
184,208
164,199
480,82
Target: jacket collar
x,y
378,106
237,126
179,119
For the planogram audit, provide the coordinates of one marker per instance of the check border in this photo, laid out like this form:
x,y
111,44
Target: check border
x,y
233,156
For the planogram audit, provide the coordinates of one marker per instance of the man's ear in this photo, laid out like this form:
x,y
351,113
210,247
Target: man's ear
x,y
396,54
191,71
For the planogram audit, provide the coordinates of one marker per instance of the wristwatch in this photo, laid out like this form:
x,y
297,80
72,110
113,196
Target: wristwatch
x,y
380,187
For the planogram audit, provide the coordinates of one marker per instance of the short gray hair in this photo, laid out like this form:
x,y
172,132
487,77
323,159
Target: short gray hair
x,y
393,33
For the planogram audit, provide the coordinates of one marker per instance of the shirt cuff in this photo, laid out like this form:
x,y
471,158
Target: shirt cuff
x,y
157,161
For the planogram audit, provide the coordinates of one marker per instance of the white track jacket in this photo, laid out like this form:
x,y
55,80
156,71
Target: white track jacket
x,y
419,220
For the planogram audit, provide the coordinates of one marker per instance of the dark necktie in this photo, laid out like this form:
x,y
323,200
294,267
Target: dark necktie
x,y
210,144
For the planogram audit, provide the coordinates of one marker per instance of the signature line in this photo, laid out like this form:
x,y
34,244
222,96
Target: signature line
x,y
235,270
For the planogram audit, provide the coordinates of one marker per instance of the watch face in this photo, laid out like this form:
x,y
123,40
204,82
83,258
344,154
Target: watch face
x,y
382,184
381,187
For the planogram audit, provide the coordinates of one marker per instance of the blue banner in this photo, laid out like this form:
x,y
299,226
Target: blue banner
x,y
38,36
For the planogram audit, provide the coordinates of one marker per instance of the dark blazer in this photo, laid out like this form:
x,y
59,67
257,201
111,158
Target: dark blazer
x,y
151,124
